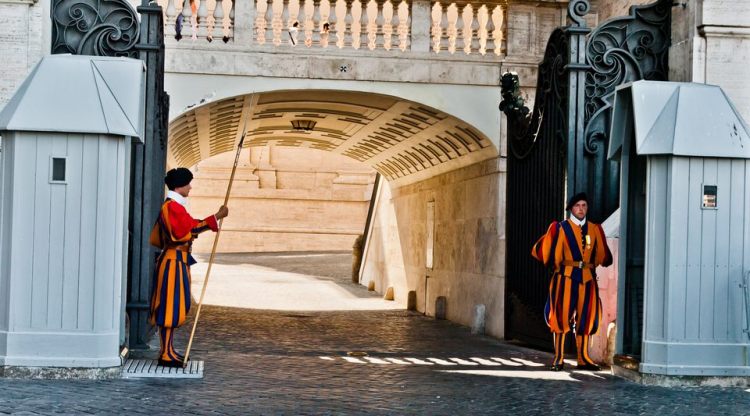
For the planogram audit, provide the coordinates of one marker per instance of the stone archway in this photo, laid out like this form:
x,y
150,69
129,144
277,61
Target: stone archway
x,y
404,141
445,183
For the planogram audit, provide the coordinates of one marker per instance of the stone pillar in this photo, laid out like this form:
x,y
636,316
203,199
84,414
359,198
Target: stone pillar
x,y
684,39
420,26
711,44
244,15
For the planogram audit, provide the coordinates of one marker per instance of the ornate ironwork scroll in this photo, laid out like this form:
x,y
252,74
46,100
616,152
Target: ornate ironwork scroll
x,y
619,51
94,27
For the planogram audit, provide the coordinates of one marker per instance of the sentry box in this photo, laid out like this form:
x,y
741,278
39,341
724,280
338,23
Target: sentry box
x,y
685,230
64,173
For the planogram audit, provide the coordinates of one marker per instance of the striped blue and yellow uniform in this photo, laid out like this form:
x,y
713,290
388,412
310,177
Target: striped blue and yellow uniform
x,y
173,232
573,252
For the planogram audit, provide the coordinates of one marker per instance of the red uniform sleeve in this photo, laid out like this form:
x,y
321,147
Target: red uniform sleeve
x,y
183,225
544,249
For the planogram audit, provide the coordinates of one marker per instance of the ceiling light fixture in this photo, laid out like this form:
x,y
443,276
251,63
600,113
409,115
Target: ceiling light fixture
x,y
305,125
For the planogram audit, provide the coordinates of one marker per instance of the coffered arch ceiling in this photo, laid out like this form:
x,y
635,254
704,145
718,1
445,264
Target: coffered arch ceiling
x,y
405,141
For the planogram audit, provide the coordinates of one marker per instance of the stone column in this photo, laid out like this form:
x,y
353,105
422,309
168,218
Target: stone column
x,y
244,20
420,26
684,39
711,44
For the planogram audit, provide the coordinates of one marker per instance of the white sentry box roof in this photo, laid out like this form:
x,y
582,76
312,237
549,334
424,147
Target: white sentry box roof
x,y
677,118
79,94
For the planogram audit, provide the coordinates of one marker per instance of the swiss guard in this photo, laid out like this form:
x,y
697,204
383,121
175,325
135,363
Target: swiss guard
x,y
573,249
174,233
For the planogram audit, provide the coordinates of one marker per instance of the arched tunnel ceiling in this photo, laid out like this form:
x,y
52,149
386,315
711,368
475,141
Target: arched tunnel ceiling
x,y
404,141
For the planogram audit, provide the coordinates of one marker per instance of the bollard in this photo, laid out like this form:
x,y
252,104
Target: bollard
x,y
357,258
441,304
477,328
611,337
411,300
388,293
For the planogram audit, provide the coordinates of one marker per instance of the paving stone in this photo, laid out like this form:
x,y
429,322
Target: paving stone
x,y
269,363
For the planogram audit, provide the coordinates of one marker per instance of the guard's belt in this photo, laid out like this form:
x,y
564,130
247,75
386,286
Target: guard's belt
x,y
578,264
181,247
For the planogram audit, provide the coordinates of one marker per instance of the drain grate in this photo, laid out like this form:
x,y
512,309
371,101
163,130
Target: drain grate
x,y
151,369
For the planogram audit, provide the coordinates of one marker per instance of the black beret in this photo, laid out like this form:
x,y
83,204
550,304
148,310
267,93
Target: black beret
x,y
581,196
178,177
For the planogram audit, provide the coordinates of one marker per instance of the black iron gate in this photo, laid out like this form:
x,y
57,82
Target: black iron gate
x,y
536,170
559,148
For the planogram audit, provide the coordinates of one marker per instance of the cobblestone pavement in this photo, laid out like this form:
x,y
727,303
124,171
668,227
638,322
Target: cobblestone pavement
x,y
296,363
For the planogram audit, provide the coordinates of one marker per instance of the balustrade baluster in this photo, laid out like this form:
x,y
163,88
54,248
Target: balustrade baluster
x,y
324,25
260,21
453,28
187,19
490,38
467,16
388,23
277,24
482,19
292,23
356,27
218,28
269,21
202,19
475,29
348,21
316,21
379,21
436,31
230,34
372,25
365,22
403,25
284,22
309,24
332,20
341,25
170,15
497,33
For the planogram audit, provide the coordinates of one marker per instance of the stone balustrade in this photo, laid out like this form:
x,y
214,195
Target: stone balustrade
x,y
468,28
463,28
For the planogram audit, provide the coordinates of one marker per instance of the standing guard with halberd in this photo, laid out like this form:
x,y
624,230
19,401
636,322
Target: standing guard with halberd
x,y
573,249
174,233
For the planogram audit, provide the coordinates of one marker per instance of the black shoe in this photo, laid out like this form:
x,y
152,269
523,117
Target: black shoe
x,y
589,367
557,367
171,363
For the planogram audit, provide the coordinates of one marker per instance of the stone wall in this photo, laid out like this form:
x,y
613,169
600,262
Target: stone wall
x,y
468,264
711,44
284,199
21,46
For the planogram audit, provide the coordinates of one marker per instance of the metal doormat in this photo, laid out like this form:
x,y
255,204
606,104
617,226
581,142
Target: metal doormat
x,y
141,368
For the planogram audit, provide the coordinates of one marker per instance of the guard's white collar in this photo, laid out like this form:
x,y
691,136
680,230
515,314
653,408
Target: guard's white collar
x,y
578,222
174,196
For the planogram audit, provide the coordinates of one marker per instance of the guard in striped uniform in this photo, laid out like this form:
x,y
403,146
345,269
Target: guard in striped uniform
x,y
573,249
174,233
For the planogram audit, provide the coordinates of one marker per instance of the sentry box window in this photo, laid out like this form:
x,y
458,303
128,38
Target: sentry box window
x,y
57,170
709,197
